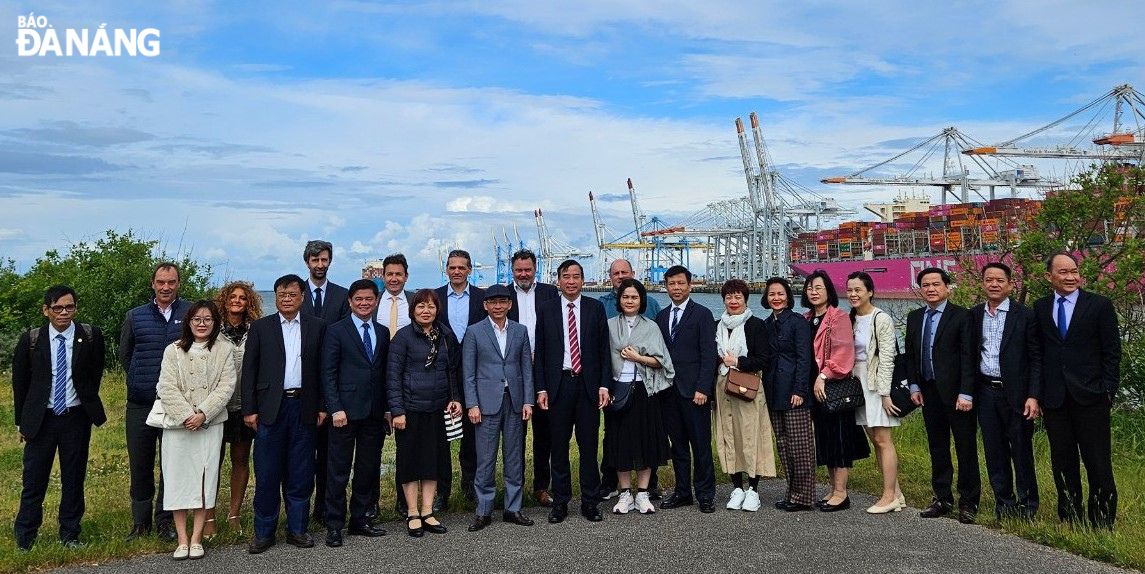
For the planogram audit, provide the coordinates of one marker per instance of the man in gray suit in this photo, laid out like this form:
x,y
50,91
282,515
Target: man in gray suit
x,y
497,367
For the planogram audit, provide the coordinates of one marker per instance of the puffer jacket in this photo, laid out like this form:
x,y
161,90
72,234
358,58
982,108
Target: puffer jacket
x,y
413,386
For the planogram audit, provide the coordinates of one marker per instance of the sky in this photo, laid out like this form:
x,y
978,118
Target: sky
x,y
419,127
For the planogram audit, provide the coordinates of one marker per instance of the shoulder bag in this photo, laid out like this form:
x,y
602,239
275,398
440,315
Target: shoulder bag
x,y
741,385
843,394
900,381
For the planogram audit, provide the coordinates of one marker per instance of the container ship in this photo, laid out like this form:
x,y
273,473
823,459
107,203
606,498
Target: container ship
x,y
911,235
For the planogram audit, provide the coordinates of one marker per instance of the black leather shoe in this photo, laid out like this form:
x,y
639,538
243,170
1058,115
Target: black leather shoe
x,y
825,507
591,512
707,506
334,538
675,501
655,494
438,528
259,545
937,508
415,532
139,530
167,532
819,503
967,515
558,513
365,529
517,518
300,540
789,506
781,504
480,522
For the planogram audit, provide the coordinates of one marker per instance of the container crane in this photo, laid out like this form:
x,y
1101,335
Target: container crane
x,y
552,251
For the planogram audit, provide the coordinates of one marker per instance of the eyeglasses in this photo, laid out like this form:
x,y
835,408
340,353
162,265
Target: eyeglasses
x,y
816,288
202,320
287,294
58,309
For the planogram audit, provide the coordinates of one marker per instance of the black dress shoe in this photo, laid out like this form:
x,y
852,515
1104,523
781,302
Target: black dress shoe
x,y
707,506
517,518
937,508
438,528
558,513
819,503
825,507
591,512
781,504
365,528
415,532
259,545
967,515
480,522
167,532
139,530
675,501
789,506
300,540
655,494
334,538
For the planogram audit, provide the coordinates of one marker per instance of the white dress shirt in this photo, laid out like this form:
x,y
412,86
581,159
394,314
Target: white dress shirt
x,y
526,303
387,303
567,364
292,342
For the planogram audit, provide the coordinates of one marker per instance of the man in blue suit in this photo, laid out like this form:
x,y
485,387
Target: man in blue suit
x,y
354,354
497,367
690,331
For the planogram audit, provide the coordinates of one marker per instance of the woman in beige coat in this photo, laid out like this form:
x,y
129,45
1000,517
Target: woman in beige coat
x,y
196,380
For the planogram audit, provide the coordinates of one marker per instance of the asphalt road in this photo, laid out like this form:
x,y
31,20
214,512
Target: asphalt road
x,y
678,540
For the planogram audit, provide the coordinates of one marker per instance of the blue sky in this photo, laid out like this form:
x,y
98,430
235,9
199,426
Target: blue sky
x,y
422,126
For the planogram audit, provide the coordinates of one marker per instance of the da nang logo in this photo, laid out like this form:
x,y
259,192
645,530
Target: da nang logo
x,y
35,36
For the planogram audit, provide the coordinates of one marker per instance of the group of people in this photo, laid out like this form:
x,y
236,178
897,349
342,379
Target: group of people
x,y
318,385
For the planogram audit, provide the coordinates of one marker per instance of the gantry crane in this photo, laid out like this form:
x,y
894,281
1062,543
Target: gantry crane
x,y
553,251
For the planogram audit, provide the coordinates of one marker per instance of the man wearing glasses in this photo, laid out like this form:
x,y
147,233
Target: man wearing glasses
x,y
56,373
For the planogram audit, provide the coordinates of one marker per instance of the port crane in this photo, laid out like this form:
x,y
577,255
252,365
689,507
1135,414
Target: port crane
x,y
553,251
654,241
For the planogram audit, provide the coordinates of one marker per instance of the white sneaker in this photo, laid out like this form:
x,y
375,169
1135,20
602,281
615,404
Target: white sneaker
x,y
751,500
643,504
611,494
625,504
736,501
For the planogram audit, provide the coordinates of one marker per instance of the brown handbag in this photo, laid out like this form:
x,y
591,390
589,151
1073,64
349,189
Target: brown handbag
x,y
741,385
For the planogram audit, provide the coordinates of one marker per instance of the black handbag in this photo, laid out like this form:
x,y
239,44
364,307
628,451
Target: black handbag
x,y
621,392
900,385
843,395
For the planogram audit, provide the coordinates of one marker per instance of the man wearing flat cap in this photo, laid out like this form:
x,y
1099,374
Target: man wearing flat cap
x,y
497,376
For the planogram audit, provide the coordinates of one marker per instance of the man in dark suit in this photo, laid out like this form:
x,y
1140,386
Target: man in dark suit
x,y
1080,345
941,370
462,305
528,296
497,380
282,402
329,302
690,331
354,354
56,372
1004,332
573,375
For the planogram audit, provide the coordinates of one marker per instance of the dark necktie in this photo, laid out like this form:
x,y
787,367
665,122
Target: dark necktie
x,y
317,300
927,343
1062,326
574,341
368,341
60,386
675,321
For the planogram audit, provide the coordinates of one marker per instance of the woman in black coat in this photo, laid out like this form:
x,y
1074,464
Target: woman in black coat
x,y
423,382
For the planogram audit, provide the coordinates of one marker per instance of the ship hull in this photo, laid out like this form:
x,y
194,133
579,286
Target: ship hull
x,y
894,278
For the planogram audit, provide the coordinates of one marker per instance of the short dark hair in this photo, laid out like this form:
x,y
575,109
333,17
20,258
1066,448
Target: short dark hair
x,y
460,253
1054,255
786,288
828,285
187,338
423,296
941,273
395,259
315,248
55,292
523,254
363,285
630,282
569,263
735,286
288,280
676,270
165,265
997,265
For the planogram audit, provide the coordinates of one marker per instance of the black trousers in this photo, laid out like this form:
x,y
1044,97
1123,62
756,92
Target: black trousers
x,y
542,449
466,458
690,433
69,434
142,451
1008,442
1075,429
942,422
357,446
321,465
573,410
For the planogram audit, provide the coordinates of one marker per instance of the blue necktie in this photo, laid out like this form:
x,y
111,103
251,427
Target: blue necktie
x,y
1062,326
60,387
675,321
368,341
927,342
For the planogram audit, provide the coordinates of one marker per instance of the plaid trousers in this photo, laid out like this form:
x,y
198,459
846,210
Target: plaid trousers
x,y
796,442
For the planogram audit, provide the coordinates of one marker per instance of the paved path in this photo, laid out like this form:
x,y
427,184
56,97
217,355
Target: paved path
x,y
679,540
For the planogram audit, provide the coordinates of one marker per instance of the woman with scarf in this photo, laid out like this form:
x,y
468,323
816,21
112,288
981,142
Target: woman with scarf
x,y
423,381
637,440
743,429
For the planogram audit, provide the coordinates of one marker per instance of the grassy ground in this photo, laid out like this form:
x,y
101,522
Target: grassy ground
x,y
108,517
